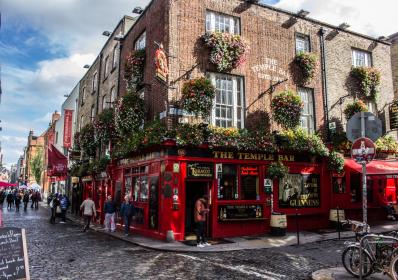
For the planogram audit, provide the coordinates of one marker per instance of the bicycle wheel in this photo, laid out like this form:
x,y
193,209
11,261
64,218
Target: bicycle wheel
x,y
394,268
350,258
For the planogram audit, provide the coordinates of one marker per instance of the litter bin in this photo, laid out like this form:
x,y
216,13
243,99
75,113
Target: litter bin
x,y
278,224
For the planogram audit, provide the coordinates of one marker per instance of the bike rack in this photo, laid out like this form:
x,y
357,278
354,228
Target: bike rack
x,y
369,236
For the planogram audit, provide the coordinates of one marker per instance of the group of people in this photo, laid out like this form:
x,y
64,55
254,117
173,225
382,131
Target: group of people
x,y
59,204
14,197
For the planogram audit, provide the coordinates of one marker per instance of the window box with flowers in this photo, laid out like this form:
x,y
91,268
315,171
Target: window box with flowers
x,y
386,145
198,96
307,63
367,82
355,107
286,109
227,51
134,69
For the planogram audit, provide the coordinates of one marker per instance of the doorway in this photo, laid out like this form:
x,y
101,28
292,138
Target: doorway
x,y
194,190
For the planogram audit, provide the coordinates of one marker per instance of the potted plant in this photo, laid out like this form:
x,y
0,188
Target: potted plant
x,y
386,146
277,170
286,109
367,81
336,162
355,107
227,51
307,63
197,96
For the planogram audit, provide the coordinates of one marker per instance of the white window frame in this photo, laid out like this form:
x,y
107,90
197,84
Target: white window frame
x,y
235,107
114,56
372,107
106,66
212,26
305,40
308,118
358,61
95,82
140,43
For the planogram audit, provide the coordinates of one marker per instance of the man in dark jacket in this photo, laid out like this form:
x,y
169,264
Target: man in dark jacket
x,y
25,201
110,209
127,211
18,199
10,200
54,204
64,206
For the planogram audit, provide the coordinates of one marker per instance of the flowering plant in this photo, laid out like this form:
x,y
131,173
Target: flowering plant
x,y
129,114
307,63
104,126
355,107
87,141
336,162
76,141
197,96
224,137
189,134
277,170
386,144
299,140
153,133
367,80
227,51
286,108
134,69
99,165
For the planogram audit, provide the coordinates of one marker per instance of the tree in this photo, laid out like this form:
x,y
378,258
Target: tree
x,y
37,165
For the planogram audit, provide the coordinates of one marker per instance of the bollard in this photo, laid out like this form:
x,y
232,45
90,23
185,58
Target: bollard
x,y
338,222
297,228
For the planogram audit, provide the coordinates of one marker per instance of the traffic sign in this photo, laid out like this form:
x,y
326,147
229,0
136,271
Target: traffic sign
x,y
373,127
363,150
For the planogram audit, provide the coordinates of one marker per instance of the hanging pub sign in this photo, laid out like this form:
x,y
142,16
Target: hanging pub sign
x,y
67,128
299,190
200,170
394,115
162,68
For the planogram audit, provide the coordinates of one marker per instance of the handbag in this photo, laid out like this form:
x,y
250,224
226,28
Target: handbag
x,y
58,210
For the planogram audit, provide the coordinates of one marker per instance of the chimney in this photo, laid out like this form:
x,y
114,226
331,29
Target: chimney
x,y
56,116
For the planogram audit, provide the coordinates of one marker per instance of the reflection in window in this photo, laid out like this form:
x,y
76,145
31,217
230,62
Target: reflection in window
x,y
216,22
127,185
361,58
228,187
136,188
250,188
302,43
144,189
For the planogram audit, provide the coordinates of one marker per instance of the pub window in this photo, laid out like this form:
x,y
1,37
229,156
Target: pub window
x,y
136,188
299,190
144,190
228,183
228,109
302,43
307,119
249,183
217,22
140,42
127,185
361,58
355,187
339,185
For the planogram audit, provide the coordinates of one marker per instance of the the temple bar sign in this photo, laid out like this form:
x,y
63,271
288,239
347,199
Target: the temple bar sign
x,y
252,156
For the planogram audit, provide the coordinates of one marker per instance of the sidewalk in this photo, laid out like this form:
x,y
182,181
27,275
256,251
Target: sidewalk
x,y
339,273
236,243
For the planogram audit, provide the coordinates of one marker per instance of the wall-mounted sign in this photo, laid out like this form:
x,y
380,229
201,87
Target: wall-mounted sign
x,y
199,170
268,186
240,212
176,167
252,156
68,128
249,171
299,190
394,115
162,69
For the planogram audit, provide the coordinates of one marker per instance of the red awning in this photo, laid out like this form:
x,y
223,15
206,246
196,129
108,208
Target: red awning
x,y
375,167
57,162
6,184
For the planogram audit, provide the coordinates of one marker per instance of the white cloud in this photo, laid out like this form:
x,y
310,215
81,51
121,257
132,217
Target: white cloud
x,y
364,16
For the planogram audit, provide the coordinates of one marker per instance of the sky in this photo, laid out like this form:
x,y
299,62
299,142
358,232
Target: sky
x,y
44,45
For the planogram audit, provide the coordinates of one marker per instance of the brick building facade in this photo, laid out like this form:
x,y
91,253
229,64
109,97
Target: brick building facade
x,y
394,61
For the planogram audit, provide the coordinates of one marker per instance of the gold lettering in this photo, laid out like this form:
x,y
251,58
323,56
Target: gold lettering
x,y
291,157
230,155
223,155
216,154
240,155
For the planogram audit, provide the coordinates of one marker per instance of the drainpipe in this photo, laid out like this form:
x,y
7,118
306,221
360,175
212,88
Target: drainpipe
x,y
322,33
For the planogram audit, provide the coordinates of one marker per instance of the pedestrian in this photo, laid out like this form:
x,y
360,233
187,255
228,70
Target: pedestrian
x,y
88,208
55,208
33,198
64,206
10,200
17,199
200,213
110,210
127,212
25,201
37,199
2,198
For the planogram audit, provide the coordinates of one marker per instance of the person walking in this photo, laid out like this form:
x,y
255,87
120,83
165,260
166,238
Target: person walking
x,y
10,200
33,198
127,211
64,207
110,210
88,208
17,199
2,198
25,201
200,213
54,206
37,200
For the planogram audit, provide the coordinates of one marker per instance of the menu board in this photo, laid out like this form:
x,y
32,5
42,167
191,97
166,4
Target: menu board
x,y
240,212
394,115
13,254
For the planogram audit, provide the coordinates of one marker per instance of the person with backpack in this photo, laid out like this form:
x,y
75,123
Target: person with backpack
x,y
88,208
25,201
127,212
64,206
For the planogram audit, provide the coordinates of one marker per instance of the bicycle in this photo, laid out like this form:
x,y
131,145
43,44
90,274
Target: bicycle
x,y
376,255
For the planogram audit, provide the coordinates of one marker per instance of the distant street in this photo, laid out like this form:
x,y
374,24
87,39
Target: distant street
x,y
62,251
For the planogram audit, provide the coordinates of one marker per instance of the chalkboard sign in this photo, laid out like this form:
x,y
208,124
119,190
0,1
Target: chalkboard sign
x,y
394,115
240,212
13,254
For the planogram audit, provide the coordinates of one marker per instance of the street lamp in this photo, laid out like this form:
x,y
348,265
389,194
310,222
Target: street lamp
x,y
86,66
344,26
106,33
303,13
138,10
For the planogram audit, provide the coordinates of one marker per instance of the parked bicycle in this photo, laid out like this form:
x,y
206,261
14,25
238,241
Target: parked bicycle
x,y
377,254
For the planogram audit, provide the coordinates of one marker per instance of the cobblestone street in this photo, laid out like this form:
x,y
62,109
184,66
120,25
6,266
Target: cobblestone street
x,y
63,251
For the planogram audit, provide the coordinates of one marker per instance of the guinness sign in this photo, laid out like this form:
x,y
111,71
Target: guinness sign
x,y
200,170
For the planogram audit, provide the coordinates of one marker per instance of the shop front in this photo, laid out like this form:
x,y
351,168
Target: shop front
x,y
165,186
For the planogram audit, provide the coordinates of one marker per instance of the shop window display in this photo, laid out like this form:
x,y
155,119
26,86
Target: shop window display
x,y
228,183
299,190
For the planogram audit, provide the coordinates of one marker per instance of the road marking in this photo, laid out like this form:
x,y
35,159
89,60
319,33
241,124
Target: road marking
x,y
264,274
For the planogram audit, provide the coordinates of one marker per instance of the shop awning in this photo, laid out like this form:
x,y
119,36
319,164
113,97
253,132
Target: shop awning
x,y
375,167
6,184
57,162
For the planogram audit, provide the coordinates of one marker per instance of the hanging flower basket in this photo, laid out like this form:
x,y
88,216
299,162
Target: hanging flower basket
x,y
134,69
386,144
104,126
367,80
277,170
227,51
307,63
129,114
87,141
336,162
197,96
189,134
355,107
286,108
